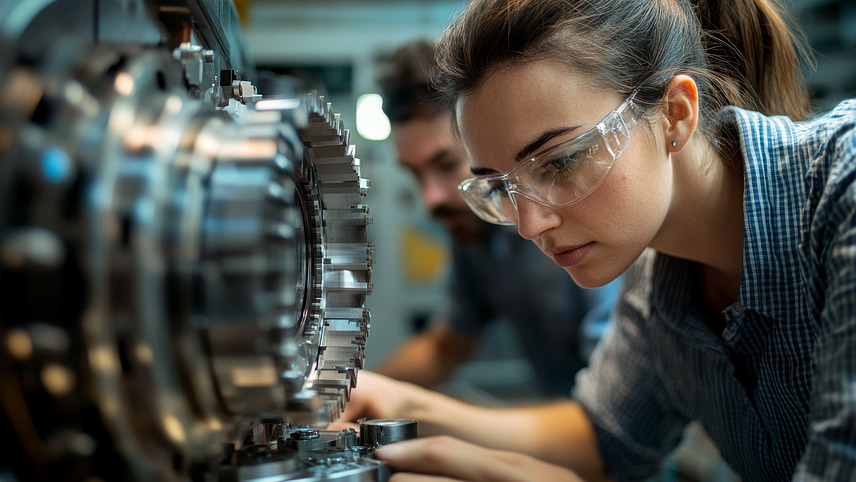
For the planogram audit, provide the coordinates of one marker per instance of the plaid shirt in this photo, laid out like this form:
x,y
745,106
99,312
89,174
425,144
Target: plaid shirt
x,y
777,392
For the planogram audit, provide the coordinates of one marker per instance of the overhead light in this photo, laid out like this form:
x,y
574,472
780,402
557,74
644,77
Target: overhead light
x,y
372,123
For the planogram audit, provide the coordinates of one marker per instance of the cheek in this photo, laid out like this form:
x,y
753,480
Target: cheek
x,y
631,203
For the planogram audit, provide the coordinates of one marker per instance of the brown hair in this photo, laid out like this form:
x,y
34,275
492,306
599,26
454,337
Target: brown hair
x,y
406,83
740,52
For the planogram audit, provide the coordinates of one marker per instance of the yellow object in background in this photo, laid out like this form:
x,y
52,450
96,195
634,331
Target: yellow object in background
x,y
243,8
425,257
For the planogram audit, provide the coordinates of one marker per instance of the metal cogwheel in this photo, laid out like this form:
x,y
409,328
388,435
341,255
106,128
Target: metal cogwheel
x,y
337,322
311,276
167,270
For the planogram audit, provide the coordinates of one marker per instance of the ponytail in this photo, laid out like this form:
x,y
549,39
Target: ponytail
x,y
754,49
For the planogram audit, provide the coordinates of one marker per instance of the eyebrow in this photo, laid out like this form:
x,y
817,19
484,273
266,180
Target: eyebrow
x,y
435,157
482,171
528,150
532,147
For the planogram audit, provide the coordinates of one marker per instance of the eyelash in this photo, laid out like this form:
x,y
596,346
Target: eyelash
x,y
563,164
498,188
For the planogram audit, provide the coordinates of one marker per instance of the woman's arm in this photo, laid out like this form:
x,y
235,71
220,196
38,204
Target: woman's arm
x,y
557,432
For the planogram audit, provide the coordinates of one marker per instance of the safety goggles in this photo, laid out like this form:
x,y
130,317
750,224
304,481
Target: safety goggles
x,y
557,176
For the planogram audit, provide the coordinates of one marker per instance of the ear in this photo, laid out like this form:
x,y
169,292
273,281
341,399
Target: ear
x,y
681,109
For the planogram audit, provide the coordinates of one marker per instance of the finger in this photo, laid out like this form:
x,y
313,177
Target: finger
x,y
448,457
357,407
343,425
407,477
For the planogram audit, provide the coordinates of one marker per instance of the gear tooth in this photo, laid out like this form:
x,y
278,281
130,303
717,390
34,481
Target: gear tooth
x,y
333,188
325,176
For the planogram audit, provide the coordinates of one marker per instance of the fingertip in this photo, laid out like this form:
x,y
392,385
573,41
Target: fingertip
x,y
384,452
390,451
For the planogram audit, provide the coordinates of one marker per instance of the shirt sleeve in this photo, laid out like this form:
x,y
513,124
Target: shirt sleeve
x,y
831,447
622,393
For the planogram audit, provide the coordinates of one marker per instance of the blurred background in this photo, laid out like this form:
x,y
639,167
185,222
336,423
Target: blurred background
x,y
338,48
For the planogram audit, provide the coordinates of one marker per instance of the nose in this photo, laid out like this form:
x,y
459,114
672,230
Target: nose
x,y
534,219
435,192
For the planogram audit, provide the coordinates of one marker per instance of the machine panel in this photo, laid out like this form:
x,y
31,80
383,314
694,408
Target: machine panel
x,y
184,263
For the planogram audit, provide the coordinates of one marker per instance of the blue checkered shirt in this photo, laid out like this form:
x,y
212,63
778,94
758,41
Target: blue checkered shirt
x,y
777,391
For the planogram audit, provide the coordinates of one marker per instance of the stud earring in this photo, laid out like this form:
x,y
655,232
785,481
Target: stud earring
x,y
675,143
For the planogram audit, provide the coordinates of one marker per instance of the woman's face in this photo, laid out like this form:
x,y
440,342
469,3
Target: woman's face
x,y
534,106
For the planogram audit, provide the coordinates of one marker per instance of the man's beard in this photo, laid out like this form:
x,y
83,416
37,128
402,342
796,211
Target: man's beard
x,y
467,232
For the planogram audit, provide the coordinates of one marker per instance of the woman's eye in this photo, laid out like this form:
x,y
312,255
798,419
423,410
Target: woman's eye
x,y
564,161
497,188
561,164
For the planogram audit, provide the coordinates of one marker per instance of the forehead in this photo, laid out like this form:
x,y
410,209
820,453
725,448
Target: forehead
x,y
518,104
419,139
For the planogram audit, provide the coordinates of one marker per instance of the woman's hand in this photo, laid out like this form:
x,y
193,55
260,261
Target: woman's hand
x,y
426,458
558,432
377,397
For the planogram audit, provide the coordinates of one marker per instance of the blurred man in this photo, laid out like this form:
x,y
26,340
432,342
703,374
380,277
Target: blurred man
x,y
495,272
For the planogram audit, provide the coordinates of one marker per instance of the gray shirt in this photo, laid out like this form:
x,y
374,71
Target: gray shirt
x,y
505,275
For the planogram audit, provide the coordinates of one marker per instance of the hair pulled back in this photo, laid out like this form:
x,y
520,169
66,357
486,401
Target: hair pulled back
x,y
740,52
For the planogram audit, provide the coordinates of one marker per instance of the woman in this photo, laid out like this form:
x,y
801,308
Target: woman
x,y
611,130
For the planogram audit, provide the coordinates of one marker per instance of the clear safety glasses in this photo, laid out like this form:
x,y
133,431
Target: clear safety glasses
x,y
557,176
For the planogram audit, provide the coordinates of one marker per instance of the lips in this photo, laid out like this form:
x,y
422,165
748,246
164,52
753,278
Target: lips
x,y
566,257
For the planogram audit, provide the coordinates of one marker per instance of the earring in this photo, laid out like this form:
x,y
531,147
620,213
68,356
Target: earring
x,y
675,143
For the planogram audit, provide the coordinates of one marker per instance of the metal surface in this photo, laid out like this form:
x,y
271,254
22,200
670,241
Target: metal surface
x,y
183,261
381,432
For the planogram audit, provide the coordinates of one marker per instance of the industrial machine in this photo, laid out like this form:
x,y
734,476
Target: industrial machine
x,y
183,254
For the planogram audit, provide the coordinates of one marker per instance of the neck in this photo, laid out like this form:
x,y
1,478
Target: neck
x,y
705,222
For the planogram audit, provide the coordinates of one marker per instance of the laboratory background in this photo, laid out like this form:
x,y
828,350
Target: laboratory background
x,y
340,46
195,265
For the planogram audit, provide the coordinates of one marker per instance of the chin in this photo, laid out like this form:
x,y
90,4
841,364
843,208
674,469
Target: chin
x,y
588,277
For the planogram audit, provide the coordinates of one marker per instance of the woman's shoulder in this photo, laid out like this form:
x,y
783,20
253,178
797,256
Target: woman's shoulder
x,y
830,176
834,126
843,110
791,148
842,116
834,140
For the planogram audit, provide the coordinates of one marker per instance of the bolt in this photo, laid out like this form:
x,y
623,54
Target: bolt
x,y
304,434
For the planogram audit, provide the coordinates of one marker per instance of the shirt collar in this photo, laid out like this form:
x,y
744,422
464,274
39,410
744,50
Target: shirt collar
x,y
770,249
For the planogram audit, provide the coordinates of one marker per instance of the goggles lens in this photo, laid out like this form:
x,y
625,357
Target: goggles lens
x,y
557,176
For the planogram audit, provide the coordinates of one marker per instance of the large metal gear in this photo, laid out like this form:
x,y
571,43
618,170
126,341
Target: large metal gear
x,y
315,315
337,322
183,262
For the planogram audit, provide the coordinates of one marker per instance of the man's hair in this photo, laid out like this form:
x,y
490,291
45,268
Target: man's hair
x,y
407,83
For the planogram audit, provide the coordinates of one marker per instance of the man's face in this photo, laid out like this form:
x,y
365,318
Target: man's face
x,y
432,152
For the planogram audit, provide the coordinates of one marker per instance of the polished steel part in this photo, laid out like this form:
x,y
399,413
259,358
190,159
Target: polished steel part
x,y
101,167
183,262
381,432
336,322
315,454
